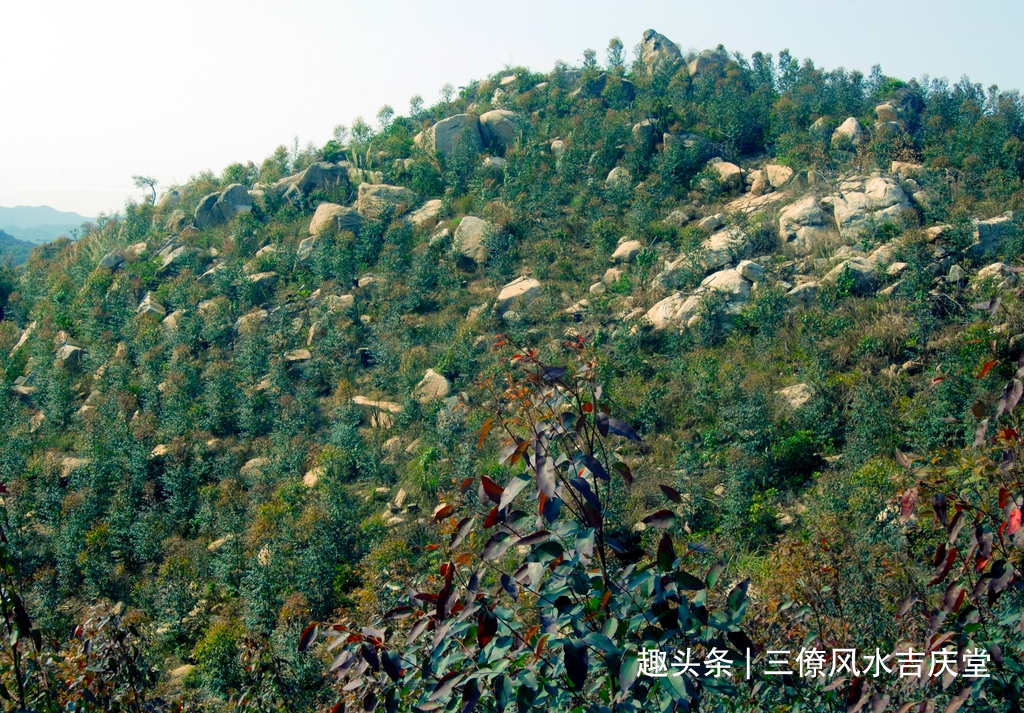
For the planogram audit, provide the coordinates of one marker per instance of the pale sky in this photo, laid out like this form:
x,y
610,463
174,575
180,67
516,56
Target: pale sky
x,y
93,92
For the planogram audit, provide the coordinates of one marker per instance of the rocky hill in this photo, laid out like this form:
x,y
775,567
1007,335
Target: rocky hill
x,y
252,404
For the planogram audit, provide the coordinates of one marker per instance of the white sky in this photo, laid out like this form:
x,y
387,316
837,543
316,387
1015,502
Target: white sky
x,y
93,92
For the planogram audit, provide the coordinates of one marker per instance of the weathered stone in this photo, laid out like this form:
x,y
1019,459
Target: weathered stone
x,y
729,283
598,288
499,128
220,208
659,53
850,131
432,386
332,215
678,218
989,234
802,223
645,133
321,175
171,321
313,475
557,147
305,250
618,176
381,413
906,170
881,201
175,257
886,112
729,174
176,221
150,306
803,294
111,261
520,291
68,356
956,274
612,275
712,222
627,251
264,279
253,466
248,323
778,176
862,270
443,136
998,272
298,355
707,61
494,164
595,87
136,251
796,395
725,247
470,238
674,309
374,199
426,214
750,270
69,464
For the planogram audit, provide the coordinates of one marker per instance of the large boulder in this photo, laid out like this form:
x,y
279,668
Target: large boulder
x,y
658,52
803,223
443,136
796,395
678,309
729,174
850,131
627,251
151,306
595,87
320,175
520,291
332,215
432,386
426,214
725,248
989,234
863,271
706,62
221,208
499,128
778,176
880,201
618,176
374,199
469,241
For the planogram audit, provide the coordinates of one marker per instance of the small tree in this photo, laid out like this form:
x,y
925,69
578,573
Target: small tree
x,y
146,182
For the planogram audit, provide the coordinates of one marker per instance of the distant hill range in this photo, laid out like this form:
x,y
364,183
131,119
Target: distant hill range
x,y
38,224
17,250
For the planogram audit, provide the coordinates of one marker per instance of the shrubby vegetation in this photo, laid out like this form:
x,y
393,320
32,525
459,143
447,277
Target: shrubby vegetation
x,y
190,504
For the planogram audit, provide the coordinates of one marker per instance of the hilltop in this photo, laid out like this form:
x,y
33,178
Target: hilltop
x,y
487,384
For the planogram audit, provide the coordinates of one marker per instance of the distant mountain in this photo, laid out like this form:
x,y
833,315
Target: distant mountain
x,y
38,224
18,250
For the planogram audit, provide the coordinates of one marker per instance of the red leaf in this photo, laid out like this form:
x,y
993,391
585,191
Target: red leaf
x,y
308,636
907,503
492,518
465,484
671,493
492,489
484,430
1013,522
662,519
588,407
1004,496
943,569
442,511
987,368
624,471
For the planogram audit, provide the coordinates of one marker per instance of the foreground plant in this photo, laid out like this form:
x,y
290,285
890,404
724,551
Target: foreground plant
x,y
535,603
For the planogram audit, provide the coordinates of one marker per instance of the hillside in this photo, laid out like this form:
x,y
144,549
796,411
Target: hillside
x,y
16,250
703,352
39,224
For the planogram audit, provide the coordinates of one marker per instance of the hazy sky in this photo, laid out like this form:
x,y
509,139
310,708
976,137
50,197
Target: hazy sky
x,y
93,92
